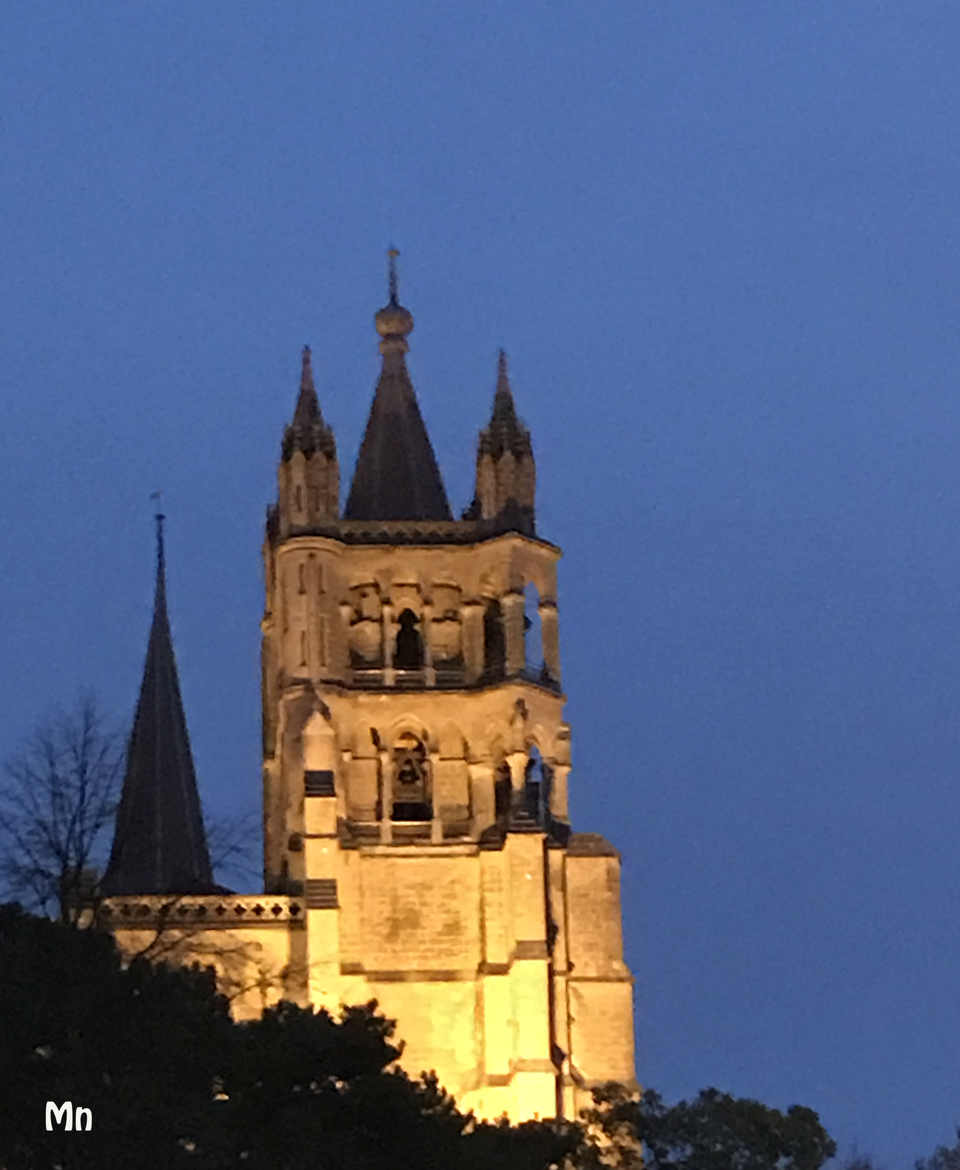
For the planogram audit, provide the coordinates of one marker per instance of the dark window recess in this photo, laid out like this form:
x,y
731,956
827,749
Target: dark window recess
x,y
320,893
501,791
408,653
411,786
494,642
318,784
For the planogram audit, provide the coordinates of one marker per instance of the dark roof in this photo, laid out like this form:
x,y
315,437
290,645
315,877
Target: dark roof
x,y
505,431
159,846
308,432
396,477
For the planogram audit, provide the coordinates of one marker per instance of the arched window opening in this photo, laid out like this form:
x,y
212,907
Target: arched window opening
x,y
299,496
536,785
301,578
411,780
494,642
533,639
303,649
408,652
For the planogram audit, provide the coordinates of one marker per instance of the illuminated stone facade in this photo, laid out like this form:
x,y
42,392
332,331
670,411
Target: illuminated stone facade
x,y
417,845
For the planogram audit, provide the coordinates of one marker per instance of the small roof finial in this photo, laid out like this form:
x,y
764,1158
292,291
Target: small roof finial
x,y
159,517
392,255
393,321
306,370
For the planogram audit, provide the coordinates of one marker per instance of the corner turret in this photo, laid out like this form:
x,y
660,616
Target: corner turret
x,y
506,473
308,478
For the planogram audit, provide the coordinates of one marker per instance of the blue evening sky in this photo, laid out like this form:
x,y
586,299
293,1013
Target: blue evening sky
x,y
719,242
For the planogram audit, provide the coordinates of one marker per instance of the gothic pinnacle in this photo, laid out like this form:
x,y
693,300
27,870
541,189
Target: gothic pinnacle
x,y
308,408
308,432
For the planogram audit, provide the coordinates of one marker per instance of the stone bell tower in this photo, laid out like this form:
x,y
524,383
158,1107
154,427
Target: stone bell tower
x,y
416,758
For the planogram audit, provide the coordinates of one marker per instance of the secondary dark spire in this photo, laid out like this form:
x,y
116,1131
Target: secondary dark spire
x,y
505,432
396,477
308,432
159,846
506,474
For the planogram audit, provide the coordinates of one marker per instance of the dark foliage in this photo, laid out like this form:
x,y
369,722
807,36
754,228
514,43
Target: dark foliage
x,y
942,1158
713,1132
173,1082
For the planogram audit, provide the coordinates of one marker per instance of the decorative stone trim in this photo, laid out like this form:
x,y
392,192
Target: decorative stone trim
x,y
196,913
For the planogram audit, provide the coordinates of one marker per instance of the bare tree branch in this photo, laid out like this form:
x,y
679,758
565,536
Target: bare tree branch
x,y
58,795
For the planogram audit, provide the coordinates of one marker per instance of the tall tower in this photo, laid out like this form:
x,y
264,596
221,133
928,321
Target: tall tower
x,y
416,758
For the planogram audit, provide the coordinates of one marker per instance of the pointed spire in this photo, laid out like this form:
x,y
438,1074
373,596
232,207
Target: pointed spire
x,y
396,476
505,431
159,845
504,411
308,408
308,432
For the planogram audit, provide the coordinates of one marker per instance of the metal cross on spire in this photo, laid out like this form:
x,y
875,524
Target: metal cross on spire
x,y
159,517
392,254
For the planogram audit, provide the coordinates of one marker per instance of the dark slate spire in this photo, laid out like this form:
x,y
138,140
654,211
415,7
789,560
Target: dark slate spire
x,y
308,432
505,431
159,846
396,477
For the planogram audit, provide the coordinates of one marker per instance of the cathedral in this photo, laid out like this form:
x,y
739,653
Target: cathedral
x,y
417,841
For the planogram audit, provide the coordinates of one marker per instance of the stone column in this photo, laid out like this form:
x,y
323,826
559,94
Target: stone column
x,y
558,792
386,798
517,763
482,802
436,824
340,641
389,636
549,637
426,632
511,605
471,619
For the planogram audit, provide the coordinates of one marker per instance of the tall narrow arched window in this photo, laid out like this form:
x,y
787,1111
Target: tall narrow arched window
x,y
299,498
322,651
411,780
536,785
408,651
303,648
494,642
532,639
